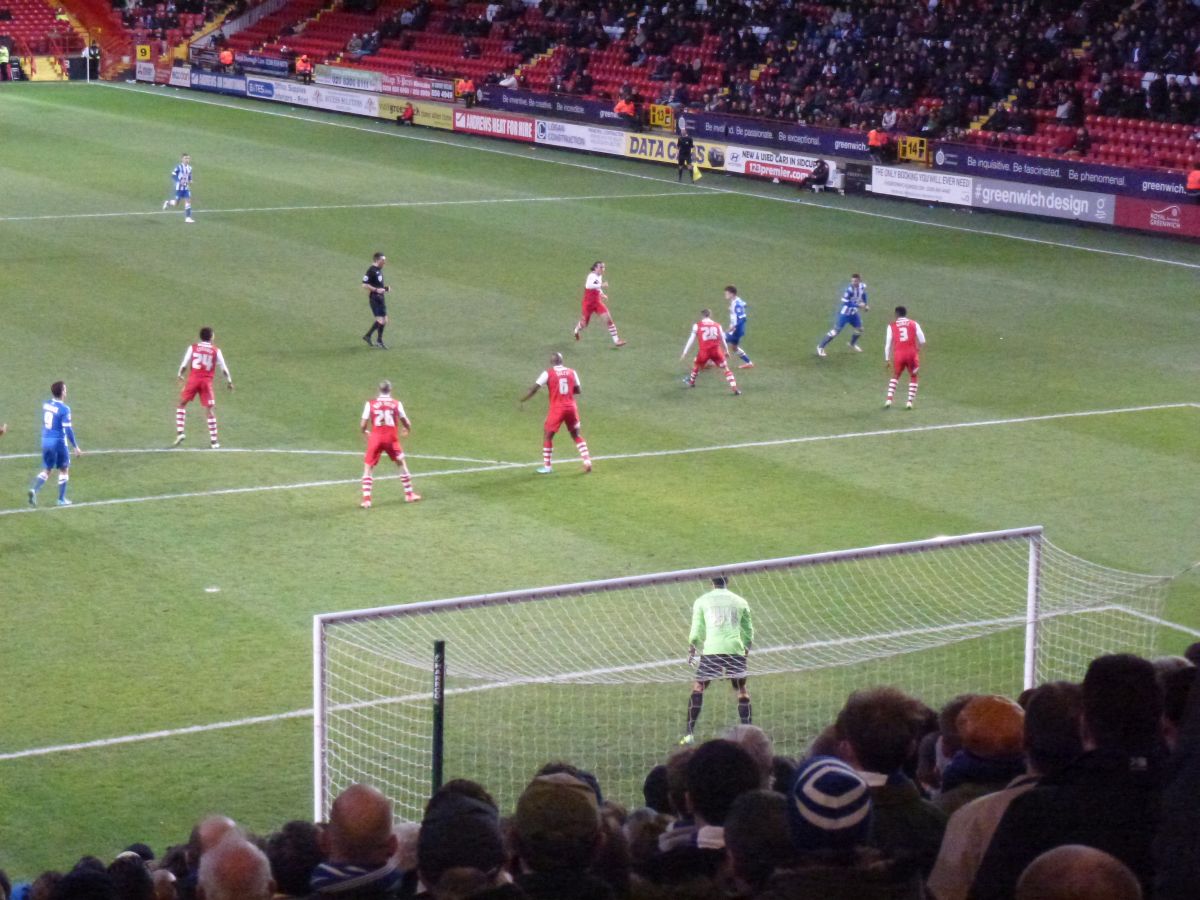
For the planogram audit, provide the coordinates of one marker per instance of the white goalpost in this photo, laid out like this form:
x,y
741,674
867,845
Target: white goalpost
x,y
596,673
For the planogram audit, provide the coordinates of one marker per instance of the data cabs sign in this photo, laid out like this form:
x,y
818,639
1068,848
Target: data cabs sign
x,y
662,148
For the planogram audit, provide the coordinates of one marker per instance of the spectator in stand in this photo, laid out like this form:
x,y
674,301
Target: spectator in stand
x,y
1108,798
829,817
758,744
207,833
877,144
877,736
354,46
1081,145
1193,183
627,113
467,90
757,839
510,81
817,179
460,838
717,774
85,882
294,851
130,877
358,844
304,68
991,730
1074,871
655,791
1177,846
1052,741
235,870
557,835
1176,687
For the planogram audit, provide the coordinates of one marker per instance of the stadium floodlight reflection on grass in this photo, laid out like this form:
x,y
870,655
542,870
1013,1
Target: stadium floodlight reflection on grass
x,y
596,673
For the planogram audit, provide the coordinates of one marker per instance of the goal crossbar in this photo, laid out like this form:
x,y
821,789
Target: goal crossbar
x,y
628,581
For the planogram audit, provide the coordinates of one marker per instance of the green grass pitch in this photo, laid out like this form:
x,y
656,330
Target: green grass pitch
x,y
108,628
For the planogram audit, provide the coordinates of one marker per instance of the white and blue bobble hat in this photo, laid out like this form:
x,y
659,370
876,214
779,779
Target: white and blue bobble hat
x,y
829,806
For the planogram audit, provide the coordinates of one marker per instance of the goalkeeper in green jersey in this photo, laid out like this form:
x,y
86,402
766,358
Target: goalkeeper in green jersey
x,y
722,633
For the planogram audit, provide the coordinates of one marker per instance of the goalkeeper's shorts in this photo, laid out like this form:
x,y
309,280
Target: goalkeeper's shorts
x,y
721,665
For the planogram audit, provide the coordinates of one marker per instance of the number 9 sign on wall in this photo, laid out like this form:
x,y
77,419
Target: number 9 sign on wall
x,y
143,52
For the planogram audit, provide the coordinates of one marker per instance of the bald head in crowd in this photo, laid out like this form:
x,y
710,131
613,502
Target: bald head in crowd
x,y
1075,872
360,828
210,831
234,870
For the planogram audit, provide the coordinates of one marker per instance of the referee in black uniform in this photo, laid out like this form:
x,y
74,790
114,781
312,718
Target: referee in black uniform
x,y
683,153
376,290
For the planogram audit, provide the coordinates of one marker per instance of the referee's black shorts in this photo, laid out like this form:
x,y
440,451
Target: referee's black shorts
x,y
378,306
685,158
721,665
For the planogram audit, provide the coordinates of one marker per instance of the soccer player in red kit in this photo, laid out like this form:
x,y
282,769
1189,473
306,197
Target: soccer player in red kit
x,y
200,361
563,385
905,337
593,303
711,341
379,419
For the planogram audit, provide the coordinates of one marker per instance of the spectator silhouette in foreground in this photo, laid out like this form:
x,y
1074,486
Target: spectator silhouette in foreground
x,y
557,828
1109,798
1074,872
1052,742
235,870
359,845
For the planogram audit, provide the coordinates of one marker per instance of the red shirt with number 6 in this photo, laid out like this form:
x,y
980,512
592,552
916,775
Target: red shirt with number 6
x,y
562,383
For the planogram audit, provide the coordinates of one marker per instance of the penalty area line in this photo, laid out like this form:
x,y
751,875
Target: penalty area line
x,y
251,489
612,457
132,451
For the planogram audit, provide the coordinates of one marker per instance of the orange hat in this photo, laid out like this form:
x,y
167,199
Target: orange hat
x,y
992,726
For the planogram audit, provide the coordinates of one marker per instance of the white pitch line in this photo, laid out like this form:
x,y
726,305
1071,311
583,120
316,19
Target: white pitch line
x,y
283,450
397,204
915,429
564,678
662,180
252,489
643,454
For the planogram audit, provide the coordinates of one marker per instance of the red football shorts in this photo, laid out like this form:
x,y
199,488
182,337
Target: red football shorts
x,y
593,307
377,447
203,388
568,415
715,355
903,361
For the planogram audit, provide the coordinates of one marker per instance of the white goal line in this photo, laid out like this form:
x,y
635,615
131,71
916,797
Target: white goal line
x,y
101,743
612,457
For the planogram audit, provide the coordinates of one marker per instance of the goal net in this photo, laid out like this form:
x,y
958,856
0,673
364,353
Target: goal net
x,y
596,673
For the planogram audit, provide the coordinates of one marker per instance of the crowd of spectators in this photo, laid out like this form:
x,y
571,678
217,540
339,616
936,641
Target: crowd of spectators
x,y
927,68
1069,791
159,18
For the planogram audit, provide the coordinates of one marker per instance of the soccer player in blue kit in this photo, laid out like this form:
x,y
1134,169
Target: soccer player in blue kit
x,y
56,434
182,175
737,325
854,301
